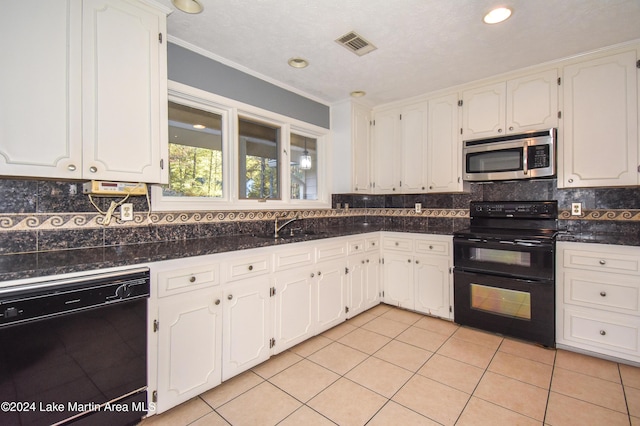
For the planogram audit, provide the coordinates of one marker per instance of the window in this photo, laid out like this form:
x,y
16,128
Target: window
x,y
226,155
304,167
258,168
195,153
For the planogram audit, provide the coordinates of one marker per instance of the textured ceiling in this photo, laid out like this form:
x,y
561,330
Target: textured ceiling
x,y
423,45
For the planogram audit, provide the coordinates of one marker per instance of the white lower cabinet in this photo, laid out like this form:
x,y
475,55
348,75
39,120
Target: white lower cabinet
x,y
189,346
417,273
216,316
294,307
598,299
246,335
331,294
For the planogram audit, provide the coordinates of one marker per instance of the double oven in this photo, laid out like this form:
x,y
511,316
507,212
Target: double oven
x,y
504,270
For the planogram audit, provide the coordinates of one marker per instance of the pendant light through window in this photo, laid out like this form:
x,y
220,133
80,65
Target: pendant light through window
x,y
305,158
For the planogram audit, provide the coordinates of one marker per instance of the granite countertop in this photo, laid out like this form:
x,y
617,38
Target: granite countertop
x,y
42,264
628,239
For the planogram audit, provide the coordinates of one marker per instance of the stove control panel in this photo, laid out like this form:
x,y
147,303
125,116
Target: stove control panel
x,y
517,209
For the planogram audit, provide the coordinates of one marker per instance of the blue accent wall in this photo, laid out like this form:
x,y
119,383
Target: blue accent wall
x,y
193,69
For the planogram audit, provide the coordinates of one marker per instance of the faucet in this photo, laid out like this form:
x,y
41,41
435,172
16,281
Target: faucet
x,y
279,228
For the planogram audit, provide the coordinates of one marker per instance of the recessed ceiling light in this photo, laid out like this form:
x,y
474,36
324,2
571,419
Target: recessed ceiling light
x,y
188,6
199,126
497,15
298,63
358,93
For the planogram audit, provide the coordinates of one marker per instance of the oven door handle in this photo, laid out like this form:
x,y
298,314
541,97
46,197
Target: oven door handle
x,y
525,159
507,242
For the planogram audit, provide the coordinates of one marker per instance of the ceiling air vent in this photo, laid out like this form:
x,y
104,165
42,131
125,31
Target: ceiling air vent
x,y
356,43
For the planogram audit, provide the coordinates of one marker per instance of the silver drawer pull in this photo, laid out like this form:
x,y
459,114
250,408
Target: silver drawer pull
x,y
409,260
313,275
230,296
363,262
603,293
602,332
93,169
417,261
397,244
356,247
430,247
192,279
251,267
217,302
603,262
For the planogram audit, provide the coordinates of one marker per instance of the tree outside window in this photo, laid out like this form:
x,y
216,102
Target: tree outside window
x,y
259,164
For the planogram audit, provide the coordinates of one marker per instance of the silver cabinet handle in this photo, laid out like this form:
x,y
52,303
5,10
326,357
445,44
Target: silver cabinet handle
x,y
409,260
356,247
397,244
417,261
192,279
230,296
319,273
499,130
217,302
71,167
93,169
603,333
603,293
430,247
363,262
367,260
251,267
603,262
510,128
570,181
313,275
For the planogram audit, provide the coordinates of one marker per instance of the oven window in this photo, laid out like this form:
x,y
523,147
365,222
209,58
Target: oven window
x,y
504,257
504,160
501,301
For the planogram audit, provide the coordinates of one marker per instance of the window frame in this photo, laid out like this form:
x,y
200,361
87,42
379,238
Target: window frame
x,y
230,111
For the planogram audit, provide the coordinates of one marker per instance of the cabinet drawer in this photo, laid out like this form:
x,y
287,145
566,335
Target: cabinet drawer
x,y
397,243
617,333
187,279
372,244
603,291
356,246
606,260
334,250
432,247
248,267
293,258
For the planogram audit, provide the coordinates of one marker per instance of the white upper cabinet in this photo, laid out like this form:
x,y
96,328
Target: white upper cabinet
x,y
124,90
518,105
413,126
101,110
386,152
600,132
351,159
444,165
40,91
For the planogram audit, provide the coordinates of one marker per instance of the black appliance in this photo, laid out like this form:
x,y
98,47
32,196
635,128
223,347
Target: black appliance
x,y
75,350
504,269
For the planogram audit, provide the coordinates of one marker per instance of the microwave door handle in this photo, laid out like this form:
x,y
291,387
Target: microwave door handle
x,y
525,158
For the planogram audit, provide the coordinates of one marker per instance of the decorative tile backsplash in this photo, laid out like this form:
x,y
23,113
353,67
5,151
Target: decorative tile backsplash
x,y
54,215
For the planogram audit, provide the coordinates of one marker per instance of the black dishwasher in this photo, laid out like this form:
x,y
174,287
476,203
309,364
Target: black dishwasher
x,y
75,350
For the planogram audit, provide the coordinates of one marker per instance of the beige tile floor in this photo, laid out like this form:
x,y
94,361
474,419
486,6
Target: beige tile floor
x,y
388,366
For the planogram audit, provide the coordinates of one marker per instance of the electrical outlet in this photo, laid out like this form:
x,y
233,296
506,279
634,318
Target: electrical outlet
x,y
418,207
126,211
576,209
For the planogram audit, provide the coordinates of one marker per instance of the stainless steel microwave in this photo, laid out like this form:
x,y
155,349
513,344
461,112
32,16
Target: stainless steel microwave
x,y
518,156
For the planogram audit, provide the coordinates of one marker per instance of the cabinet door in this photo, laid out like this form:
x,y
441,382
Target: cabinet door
x,y
357,285
413,124
444,165
483,111
398,280
294,307
361,140
40,81
124,91
331,294
189,346
600,122
246,336
432,285
532,102
372,280
386,153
